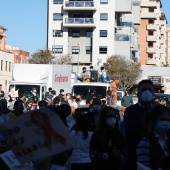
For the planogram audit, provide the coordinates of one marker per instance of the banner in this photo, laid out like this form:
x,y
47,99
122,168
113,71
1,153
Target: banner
x,y
10,159
13,93
37,134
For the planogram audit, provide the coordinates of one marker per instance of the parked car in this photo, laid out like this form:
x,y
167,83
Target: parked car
x,y
163,96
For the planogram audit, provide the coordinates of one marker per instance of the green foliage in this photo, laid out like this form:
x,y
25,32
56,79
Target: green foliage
x,y
41,57
126,71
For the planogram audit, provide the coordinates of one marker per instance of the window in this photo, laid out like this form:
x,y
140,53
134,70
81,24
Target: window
x,y
103,1
103,33
103,50
6,66
1,65
57,33
75,33
57,1
151,9
9,66
88,49
151,21
89,33
150,55
75,49
57,49
103,17
57,17
150,44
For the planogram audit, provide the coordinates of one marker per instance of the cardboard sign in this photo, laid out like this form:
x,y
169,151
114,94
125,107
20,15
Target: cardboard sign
x,y
36,135
10,159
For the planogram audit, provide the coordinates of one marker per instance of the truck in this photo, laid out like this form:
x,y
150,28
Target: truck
x,y
85,89
41,76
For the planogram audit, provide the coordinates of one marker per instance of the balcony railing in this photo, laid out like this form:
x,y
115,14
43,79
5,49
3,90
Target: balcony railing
x,y
151,38
80,22
151,27
79,5
151,61
123,38
151,50
126,24
149,3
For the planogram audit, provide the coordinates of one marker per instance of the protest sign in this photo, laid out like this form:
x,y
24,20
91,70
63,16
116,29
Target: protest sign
x,y
10,159
36,135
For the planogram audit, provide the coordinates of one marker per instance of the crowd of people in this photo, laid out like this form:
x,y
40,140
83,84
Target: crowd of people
x,y
102,139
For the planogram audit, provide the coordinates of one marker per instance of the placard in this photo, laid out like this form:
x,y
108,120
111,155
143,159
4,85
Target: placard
x,y
36,135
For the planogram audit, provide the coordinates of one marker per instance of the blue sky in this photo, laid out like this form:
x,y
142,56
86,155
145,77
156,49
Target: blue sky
x,y
26,22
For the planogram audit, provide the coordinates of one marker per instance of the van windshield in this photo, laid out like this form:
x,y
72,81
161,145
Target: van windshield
x,y
85,91
25,89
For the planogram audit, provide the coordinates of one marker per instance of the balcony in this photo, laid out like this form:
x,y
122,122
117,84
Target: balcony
x,y
123,6
80,5
148,15
149,3
162,51
136,47
151,61
126,24
151,27
151,38
79,22
151,50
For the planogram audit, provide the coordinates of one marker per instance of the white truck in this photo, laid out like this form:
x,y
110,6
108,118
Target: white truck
x,y
85,89
41,76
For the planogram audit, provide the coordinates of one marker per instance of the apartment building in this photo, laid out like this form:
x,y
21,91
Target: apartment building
x,y
168,45
152,33
92,30
20,56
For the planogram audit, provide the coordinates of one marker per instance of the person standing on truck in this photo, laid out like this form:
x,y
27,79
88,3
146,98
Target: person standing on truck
x,y
84,75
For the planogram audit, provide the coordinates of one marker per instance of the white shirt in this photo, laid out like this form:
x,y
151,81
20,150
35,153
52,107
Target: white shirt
x,y
80,104
80,153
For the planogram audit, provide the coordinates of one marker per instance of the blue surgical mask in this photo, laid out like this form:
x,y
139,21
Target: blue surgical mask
x,y
111,122
162,127
147,96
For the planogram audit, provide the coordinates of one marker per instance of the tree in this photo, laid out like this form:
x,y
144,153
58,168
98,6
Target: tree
x,y
124,70
64,59
41,57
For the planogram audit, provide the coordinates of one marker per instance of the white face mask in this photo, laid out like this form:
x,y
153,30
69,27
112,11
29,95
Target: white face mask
x,y
111,122
147,96
34,91
162,127
68,97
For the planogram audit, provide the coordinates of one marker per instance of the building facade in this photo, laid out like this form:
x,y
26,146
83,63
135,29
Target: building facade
x,y
91,31
2,37
168,45
20,56
152,33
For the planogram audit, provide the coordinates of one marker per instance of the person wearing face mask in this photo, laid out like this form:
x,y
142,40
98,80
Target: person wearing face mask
x,y
33,94
152,148
69,97
133,119
78,102
61,93
107,144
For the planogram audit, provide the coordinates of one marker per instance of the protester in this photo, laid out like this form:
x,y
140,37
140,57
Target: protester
x,y
34,104
107,144
134,120
103,76
78,102
126,99
49,92
94,112
157,99
69,97
33,93
109,98
163,102
61,93
42,104
56,101
80,158
152,148
84,75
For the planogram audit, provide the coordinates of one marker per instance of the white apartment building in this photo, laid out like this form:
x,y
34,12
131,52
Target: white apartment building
x,y
92,30
168,45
